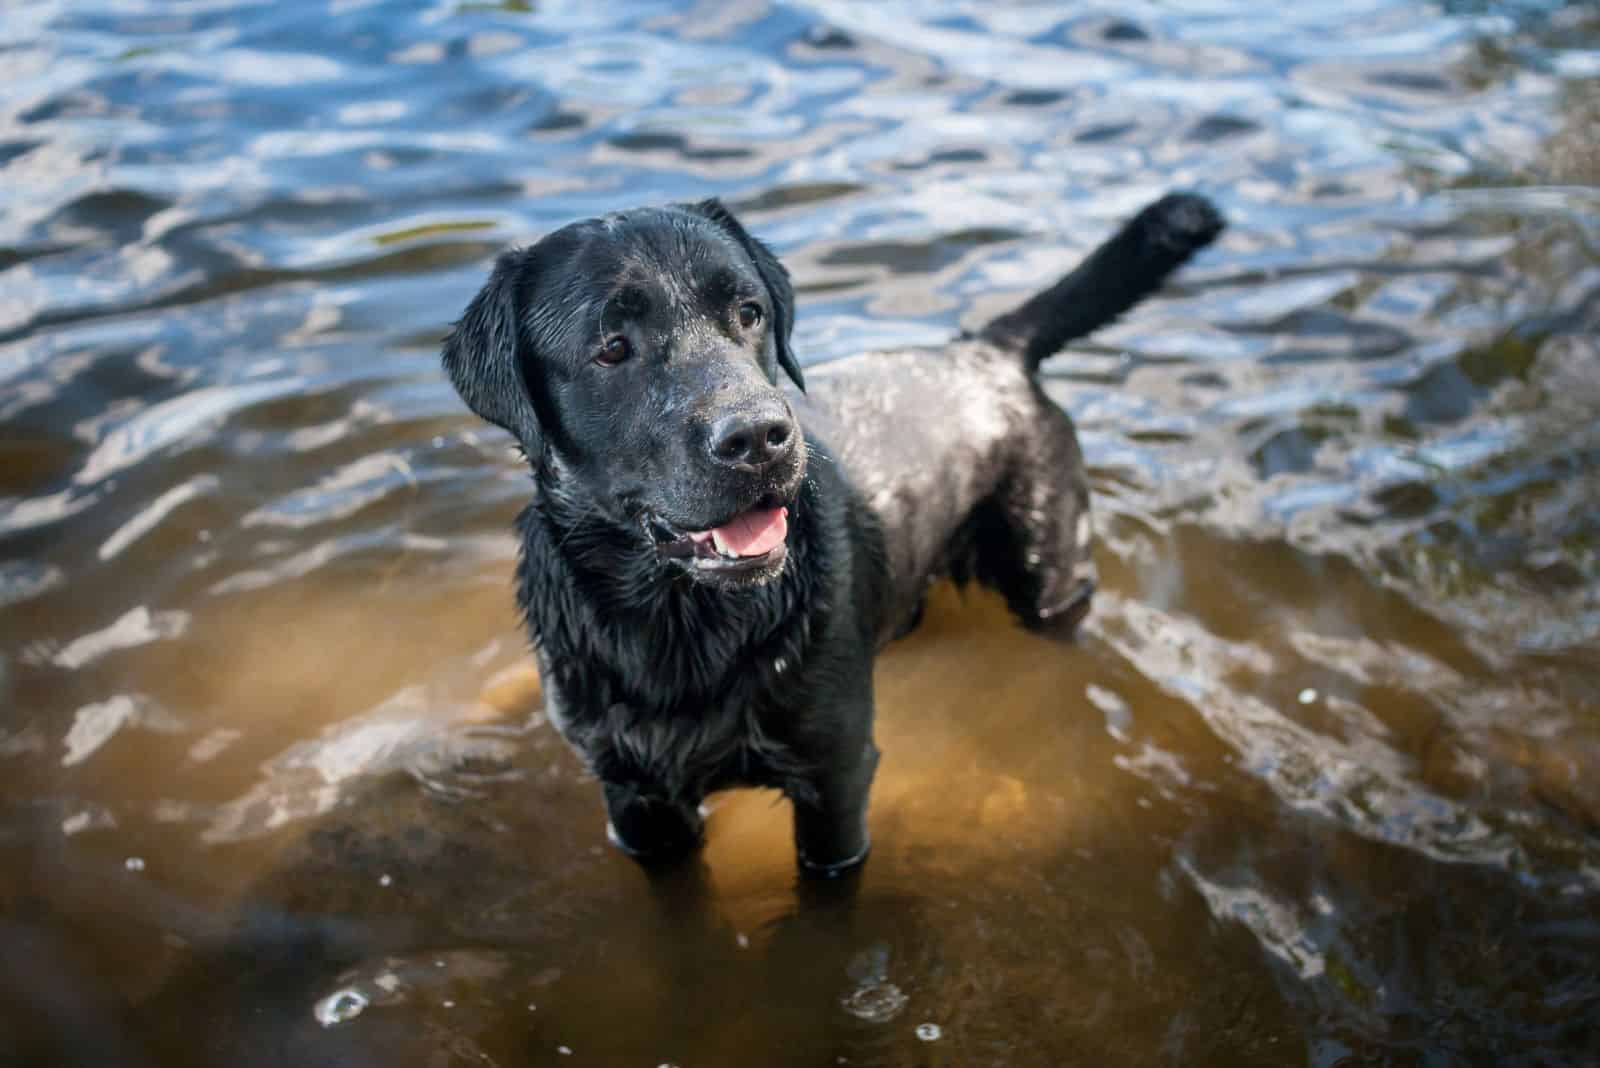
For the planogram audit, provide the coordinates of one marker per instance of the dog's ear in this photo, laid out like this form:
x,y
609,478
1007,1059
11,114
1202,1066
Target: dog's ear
x,y
481,355
773,274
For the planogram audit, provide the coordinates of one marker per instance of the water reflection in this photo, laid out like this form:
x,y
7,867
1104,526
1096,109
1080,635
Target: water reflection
x,y
1317,786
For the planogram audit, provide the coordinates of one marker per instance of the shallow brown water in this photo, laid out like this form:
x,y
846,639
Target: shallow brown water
x,y
1320,785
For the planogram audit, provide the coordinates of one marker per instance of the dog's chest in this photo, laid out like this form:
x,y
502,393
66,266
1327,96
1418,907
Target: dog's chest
x,y
681,752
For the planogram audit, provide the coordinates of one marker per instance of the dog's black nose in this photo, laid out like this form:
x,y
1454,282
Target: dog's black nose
x,y
752,441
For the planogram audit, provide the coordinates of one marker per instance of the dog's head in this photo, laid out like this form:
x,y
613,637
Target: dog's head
x,y
636,359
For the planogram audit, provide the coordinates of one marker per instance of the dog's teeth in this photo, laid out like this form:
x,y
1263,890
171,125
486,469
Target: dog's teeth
x,y
721,546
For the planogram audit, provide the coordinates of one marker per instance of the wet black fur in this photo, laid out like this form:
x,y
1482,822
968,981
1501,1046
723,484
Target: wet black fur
x,y
1111,279
671,683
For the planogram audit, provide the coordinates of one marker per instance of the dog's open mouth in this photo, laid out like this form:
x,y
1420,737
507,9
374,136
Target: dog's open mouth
x,y
752,539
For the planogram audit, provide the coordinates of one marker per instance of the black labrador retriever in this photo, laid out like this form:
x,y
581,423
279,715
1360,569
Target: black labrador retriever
x,y
711,561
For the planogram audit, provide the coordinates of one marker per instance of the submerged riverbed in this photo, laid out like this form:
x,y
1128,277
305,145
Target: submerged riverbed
x,y
1319,785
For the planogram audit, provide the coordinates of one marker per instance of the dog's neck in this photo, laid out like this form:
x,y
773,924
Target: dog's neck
x,y
623,626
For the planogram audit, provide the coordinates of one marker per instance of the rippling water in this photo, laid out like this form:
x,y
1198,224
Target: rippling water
x,y
1321,784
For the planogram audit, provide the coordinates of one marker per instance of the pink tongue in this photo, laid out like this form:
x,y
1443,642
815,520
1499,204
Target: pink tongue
x,y
755,533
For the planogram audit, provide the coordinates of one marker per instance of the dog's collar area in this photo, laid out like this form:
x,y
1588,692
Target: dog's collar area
x,y
752,539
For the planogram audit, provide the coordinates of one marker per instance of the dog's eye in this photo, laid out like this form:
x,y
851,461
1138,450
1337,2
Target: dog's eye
x,y
614,351
750,314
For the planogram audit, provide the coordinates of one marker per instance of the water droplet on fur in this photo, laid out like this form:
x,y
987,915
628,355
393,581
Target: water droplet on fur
x,y
929,1032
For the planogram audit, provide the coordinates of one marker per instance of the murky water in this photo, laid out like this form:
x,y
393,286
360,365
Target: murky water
x,y
1321,784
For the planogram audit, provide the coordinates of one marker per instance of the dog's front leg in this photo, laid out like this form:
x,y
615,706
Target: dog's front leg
x,y
830,807
651,830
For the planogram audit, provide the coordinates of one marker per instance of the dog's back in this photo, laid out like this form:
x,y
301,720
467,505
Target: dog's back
x,y
971,470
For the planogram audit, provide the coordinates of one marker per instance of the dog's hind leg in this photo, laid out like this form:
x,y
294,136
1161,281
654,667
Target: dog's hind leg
x,y
1034,535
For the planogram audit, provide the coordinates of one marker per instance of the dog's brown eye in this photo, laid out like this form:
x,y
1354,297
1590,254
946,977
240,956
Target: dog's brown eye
x,y
614,352
750,314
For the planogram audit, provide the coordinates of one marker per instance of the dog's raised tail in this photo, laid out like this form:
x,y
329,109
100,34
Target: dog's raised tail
x,y
1124,270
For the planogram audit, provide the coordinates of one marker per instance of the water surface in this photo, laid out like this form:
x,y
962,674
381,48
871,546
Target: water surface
x,y
1320,785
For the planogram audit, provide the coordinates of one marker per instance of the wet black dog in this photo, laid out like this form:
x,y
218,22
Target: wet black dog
x,y
711,562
